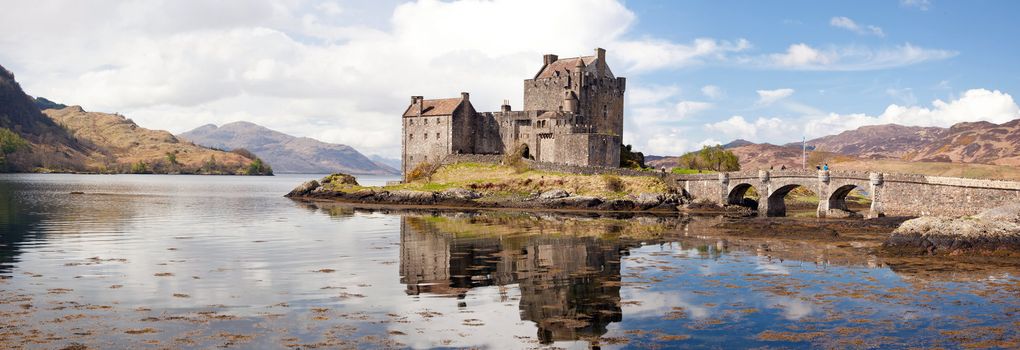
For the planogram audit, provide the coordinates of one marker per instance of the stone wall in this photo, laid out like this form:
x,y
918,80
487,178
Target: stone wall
x,y
426,139
944,196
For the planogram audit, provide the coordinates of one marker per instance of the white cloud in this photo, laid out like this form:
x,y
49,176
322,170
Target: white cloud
x,y
974,105
849,24
651,54
685,109
313,68
853,58
761,129
922,5
768,97
712,92
646,95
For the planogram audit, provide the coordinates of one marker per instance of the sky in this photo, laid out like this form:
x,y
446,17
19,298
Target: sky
x,y
698,72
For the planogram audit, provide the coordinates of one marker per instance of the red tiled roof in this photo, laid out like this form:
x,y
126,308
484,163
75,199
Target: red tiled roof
x,y
563,65
441,106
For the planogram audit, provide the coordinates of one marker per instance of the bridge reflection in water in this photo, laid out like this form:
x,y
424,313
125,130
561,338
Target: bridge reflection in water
x,y
569,285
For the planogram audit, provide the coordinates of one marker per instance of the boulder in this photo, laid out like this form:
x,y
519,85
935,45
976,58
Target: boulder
x,y
554,194
411,197
459,193
304,188
647,200
339,179
993,229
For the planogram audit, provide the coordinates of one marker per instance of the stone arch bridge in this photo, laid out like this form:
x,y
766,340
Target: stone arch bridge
x,y
892,194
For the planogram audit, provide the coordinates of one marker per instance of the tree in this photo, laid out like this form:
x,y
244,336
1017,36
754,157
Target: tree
x,y
631,159
171,157
715,158
10,142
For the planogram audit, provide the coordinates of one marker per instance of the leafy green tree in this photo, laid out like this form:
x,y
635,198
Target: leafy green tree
x,y
715,158
10,142
257,167
631,159
171,157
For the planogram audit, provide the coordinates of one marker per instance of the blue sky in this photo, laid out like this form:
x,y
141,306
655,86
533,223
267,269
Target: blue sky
x,y
699,72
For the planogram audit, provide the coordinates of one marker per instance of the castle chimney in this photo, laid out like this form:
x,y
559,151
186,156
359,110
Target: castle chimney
x,y
600,55
421,105
549,59
465,96
505,107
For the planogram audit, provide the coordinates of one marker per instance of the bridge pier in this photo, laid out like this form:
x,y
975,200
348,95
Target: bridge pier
x,y
773,188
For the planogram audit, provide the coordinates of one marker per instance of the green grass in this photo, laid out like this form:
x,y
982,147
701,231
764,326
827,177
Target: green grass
x,y
685,171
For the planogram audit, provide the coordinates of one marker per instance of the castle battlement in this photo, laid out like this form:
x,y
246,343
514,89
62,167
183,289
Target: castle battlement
x,y
572,114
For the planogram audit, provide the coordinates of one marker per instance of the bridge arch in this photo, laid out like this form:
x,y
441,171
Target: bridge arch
x,y
836,204
777,199
738,195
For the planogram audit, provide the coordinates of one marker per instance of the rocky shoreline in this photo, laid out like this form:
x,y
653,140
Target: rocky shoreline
x,y
992,232
554,199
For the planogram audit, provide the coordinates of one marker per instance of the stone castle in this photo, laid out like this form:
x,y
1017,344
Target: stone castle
x,y
573,114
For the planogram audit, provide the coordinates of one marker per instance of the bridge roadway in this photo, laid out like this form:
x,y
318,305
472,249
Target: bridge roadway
x,y
890,194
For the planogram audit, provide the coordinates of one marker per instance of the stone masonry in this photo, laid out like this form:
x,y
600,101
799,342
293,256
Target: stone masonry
x,y
573,114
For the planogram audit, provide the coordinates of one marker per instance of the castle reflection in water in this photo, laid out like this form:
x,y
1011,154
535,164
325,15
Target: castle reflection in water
x,y
569,285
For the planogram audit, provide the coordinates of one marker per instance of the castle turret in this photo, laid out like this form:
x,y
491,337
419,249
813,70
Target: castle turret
x,y
570,102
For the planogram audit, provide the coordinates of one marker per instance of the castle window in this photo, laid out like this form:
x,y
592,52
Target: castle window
x,y
437,120
410,122
437,135
426,136
410,136
426,157
426,121
605,111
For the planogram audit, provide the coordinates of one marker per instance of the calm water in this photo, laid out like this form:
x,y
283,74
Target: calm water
x,y
201,261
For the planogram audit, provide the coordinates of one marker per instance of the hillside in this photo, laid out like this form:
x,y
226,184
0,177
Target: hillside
x,y
49,147
287,154
977,142
131,148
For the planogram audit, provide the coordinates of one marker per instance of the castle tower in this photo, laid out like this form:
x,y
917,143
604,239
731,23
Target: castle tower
x,y
598,93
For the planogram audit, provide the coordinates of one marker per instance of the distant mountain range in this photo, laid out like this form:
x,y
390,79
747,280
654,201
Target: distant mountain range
x,y
978,145
69,139
286,153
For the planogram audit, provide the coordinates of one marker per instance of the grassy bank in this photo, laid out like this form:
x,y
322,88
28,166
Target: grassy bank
x,y
492,180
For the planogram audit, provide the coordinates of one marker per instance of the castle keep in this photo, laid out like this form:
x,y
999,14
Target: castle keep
x,y
573,114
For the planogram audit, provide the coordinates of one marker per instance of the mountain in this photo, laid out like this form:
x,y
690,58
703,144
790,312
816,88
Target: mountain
x,y
973,142
127,147
390,162
48,146
287,154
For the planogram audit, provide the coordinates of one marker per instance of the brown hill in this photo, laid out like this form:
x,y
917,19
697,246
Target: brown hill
x,y
49,145
130,148
976,142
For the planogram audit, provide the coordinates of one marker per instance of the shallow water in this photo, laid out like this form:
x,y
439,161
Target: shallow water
x,y
202,261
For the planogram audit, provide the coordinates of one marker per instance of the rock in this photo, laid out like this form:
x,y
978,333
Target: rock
x,y
647,200
578,201
554,194
841,214
993,229
1009,213
459,193
411,197
339,179
304,188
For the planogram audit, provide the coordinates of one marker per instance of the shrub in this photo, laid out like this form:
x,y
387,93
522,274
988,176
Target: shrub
x,y
515,158
631,159
10,142
419,172
613,183
257,167
139,168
